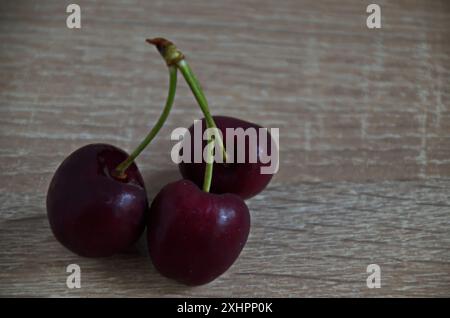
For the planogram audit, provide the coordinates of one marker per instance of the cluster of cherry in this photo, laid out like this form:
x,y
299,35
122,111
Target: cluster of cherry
x,y
196,227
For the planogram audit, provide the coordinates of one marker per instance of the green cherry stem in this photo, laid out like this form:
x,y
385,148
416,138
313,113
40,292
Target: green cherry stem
x,y
122,167
207,179
196,89
173,56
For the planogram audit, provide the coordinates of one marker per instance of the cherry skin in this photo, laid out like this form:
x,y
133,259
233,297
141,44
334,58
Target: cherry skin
x,y
90,212
195,236
243,179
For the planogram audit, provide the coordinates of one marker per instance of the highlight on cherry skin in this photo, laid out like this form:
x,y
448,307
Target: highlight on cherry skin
x,y
90,212
243,179
194,236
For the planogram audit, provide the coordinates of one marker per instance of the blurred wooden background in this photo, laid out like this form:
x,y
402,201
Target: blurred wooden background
x,y
364,118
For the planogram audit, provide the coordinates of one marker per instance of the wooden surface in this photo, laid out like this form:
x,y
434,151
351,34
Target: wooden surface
x,y
364,121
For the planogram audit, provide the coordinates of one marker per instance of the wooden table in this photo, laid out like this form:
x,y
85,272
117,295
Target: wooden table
x,y
364,118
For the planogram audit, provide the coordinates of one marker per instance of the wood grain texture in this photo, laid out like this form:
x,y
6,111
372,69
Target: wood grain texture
x,y
364,118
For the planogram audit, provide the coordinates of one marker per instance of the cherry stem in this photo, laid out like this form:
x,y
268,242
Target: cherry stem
x,y
207,179
173,56
122,167
203,103
196,89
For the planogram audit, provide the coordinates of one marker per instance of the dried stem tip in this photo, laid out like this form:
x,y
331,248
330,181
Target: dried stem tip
x,y
168,50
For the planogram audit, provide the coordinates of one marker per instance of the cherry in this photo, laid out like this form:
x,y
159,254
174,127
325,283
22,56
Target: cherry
x,y
91,212
243,179
96,202
195,236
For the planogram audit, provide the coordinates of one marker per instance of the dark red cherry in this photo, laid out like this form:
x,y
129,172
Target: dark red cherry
x,y
90,212
195,236
243,179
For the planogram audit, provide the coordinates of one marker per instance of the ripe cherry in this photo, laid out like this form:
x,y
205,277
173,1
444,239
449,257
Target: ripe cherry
x,y
91,212
96,202
243,179
195,236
